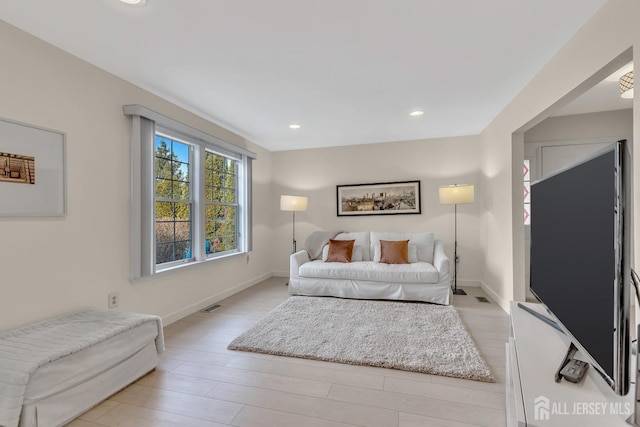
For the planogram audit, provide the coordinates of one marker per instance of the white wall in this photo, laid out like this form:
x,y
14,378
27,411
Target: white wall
x,y
52,266
569,133
606,124
558,142
597,50
435,162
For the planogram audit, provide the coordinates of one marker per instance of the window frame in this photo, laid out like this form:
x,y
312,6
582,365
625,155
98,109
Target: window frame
x,y
191,200
238,193
527,220
145,125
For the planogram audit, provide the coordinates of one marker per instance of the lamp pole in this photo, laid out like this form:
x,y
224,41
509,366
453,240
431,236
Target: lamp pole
x,y
294,233
456,259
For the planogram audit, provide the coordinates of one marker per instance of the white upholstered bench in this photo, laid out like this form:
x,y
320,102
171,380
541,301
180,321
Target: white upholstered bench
x,y
53,371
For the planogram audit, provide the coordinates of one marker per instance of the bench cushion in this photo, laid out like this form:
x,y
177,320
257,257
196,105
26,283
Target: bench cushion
x,y
79,367
25,350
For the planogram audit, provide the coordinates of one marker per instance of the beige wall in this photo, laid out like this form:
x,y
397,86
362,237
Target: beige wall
x,y
590,131
52,266
581,63
58,265
611,125
435,162
559,142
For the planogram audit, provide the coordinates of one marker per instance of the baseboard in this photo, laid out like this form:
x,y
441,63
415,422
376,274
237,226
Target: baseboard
x,y
469,283
504,304
280,274
184,312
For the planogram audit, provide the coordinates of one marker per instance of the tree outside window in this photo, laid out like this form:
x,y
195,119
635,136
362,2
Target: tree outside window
x,y
221,199
173,204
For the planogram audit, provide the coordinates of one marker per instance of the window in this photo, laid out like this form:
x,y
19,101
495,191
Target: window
x,y
221,195
191,195
173,202
527,192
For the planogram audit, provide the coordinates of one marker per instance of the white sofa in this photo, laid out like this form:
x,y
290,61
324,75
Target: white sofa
x,y
426,278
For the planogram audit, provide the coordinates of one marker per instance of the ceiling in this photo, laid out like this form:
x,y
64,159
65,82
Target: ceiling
x,y
348,71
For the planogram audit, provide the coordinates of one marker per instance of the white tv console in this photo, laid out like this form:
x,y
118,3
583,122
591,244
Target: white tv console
x,y
534,353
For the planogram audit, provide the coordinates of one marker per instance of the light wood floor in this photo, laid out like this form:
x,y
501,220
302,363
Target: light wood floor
x,y
200,383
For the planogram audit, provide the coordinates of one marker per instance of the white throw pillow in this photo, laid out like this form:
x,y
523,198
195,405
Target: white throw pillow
x,y
413,253
361,238
424,241
356,255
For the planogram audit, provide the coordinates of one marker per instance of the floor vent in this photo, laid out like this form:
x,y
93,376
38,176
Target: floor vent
x,y
483,299
211,308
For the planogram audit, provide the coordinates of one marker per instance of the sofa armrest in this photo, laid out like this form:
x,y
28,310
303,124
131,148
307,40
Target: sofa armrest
x,y
440,259
295,261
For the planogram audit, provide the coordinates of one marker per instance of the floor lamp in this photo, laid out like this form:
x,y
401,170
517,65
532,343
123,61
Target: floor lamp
x,y
293,204
456,194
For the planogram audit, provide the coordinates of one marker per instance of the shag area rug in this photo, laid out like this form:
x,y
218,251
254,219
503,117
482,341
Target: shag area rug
x,y
409,336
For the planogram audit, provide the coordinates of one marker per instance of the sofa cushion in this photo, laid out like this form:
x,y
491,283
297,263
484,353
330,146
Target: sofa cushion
x,y
394,251
362,238
424,242
419,272
340,250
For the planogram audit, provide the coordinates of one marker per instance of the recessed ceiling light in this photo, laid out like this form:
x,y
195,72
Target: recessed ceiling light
x,y
294,126
416,113
134,2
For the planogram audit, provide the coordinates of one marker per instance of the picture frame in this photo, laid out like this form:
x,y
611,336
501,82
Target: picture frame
x,y
33,179
383,198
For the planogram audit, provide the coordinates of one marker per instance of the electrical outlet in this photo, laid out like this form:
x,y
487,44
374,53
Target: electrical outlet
x,y
114,299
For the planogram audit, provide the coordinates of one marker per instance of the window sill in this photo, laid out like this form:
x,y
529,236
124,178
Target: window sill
x,y
175,268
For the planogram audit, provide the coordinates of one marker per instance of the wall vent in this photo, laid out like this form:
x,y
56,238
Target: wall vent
x,y
211,308
483,299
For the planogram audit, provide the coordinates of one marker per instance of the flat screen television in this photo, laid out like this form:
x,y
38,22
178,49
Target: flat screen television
x,y
580,268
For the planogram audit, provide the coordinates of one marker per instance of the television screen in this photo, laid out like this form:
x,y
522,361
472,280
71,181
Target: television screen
x,y
577,259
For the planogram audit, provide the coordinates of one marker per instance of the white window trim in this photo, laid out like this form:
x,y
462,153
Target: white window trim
x,y
531,165
192,200
240,190
143,129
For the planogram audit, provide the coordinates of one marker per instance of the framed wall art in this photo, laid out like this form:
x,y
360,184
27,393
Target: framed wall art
x,y
385,198
32,170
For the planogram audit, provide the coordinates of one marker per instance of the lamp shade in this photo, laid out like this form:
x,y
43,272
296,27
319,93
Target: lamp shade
x,y
456,194
626,85
293,203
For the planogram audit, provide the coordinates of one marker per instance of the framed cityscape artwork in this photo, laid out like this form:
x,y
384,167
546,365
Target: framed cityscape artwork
x,y
385,198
